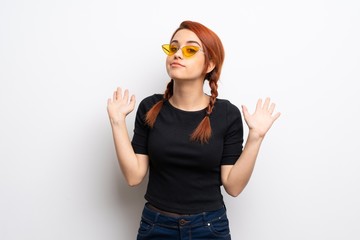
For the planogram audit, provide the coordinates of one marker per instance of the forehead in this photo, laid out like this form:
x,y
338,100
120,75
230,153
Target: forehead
x,y
185,36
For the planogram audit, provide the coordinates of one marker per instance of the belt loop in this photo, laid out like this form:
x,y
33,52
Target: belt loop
x,y
157,217
204,218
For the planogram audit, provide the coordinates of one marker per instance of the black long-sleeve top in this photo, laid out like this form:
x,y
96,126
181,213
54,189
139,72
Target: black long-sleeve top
x,y
184,175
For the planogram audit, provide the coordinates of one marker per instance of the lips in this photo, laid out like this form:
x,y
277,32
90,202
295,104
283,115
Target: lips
x,y
176,64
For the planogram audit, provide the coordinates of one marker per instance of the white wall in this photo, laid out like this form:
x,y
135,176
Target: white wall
x,y
61,60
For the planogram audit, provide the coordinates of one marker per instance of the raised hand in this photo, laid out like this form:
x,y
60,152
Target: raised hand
x,y
120,106
262,119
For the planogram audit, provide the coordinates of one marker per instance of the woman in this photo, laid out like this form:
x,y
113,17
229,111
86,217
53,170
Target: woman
x,y
191,142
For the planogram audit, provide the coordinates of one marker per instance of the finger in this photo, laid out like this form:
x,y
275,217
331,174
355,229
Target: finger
x,y
245,111
266,104
109,101
258,104
276,116
272,108
118,93
132,101
114,96
126,95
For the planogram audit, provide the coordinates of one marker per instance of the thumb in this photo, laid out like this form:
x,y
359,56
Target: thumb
x,y
132,101
245,110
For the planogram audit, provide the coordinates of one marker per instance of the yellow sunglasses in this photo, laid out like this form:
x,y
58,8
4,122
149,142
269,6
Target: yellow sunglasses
x,y
187,51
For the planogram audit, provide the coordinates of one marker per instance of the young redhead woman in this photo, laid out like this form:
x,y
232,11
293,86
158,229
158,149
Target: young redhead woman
x,y
191,142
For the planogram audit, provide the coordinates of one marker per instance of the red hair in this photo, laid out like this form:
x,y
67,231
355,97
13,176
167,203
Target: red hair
x,y
214,52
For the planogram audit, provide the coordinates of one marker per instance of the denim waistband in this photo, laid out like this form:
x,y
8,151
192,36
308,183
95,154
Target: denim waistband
x,y
184,220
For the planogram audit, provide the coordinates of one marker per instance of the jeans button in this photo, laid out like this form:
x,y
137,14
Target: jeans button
x,y
183,221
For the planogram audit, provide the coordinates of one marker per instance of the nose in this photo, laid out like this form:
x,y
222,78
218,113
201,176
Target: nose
x,y
179,53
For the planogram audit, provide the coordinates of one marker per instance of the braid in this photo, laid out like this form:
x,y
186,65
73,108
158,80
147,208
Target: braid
x,y
202,133
152,114
169,90
214,93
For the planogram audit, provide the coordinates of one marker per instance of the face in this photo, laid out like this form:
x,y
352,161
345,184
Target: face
x,y
180,67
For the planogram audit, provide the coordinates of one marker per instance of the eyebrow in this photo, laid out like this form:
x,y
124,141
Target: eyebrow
x,y
187,42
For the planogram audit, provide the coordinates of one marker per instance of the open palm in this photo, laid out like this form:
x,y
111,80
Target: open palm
x,y
263,117
120,106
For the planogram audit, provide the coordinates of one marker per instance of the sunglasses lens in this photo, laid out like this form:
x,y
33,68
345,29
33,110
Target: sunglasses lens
x,y
169,49
189,51
166,49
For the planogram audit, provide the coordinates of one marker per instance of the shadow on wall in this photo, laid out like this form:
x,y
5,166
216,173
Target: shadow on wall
x,y
131,203
124,204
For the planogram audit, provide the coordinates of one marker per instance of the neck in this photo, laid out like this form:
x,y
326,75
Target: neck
x,y
189,96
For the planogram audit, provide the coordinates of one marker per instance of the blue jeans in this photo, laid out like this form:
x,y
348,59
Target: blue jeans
x,y
203,226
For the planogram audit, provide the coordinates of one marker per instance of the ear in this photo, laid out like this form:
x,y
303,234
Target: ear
x,y
210,67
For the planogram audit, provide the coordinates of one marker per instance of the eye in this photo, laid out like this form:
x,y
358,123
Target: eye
x,y
191,50
173,48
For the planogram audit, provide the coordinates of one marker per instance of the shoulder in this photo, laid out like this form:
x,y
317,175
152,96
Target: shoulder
x,y
226,107
228,115
225,112
146,104
149,101
153,98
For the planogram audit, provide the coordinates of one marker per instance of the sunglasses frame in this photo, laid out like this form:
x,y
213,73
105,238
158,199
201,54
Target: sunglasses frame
x,y
166,49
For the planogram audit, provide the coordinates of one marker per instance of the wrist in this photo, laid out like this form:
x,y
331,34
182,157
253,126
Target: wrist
x,y
255,136
117,121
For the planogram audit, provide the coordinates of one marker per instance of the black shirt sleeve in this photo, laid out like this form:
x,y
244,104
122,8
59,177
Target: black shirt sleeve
x,y
233,141
141,130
